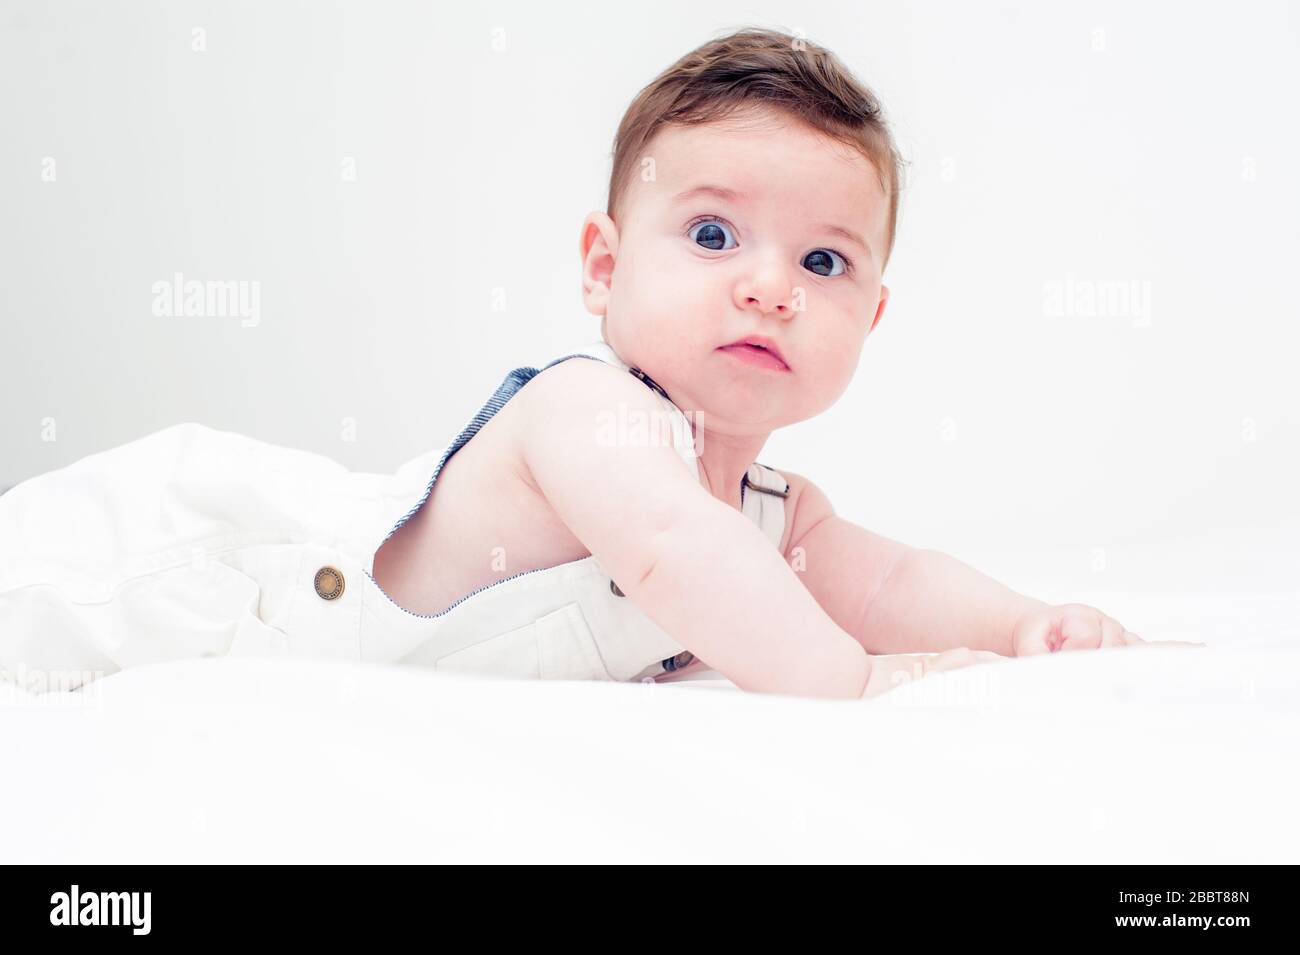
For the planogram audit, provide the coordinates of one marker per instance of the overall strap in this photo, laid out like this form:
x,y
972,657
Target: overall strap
x,y
763,492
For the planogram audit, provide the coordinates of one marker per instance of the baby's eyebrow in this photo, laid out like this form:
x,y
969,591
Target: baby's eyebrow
x,y
718,192
847,235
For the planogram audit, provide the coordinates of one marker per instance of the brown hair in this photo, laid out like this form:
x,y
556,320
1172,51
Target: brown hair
x,y
766,68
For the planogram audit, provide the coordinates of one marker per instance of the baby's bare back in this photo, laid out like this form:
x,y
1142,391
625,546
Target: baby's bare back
x,y
483,521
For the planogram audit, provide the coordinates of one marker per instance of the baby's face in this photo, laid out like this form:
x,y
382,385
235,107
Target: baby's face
x,y
691,269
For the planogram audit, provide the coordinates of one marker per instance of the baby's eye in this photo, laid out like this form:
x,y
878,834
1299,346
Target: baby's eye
x,y
821,258
711,234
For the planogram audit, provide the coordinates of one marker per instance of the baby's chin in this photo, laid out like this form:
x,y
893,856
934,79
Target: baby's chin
x,y
728,408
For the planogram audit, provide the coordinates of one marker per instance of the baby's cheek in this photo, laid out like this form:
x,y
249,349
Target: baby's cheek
x,y
835,377
650,286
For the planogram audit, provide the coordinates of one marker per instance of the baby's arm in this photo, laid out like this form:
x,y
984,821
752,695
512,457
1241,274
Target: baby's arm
x,y
700,569
893,598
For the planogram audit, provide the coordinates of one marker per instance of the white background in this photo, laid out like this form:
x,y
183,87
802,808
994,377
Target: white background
x,y
1092,142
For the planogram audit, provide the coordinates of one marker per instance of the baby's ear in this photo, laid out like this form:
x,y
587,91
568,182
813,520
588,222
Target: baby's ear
x,y
598,247
880,309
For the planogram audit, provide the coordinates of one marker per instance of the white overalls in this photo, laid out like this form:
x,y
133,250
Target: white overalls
x,y
194,542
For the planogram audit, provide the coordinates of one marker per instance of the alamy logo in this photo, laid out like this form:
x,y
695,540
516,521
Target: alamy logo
x,y
101,908
1084,298
194,299
632,427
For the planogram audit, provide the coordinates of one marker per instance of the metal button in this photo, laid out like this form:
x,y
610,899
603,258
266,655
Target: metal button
x,y
329,583
614,589
679,661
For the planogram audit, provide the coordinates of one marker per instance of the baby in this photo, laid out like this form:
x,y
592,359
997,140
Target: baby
x,y
737,272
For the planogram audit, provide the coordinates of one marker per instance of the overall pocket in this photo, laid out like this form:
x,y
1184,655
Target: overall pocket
x,y
557,646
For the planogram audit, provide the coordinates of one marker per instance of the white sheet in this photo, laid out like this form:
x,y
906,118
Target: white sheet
x,y
1152,755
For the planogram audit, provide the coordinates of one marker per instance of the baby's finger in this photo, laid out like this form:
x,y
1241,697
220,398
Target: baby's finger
x,y
1081,630
1034,637
1112,632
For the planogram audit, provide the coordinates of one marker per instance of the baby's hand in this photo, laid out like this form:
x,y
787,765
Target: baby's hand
x,y
1075,627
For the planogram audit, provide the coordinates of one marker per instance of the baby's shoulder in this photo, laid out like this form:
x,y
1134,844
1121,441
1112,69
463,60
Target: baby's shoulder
x,y
806,506
579,391
584,379
571,396
587,421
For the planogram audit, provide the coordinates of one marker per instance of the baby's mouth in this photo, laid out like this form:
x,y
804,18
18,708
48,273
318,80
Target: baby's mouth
x,y
758,352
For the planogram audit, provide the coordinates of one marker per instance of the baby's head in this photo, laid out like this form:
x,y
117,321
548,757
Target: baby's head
x,y
754,192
